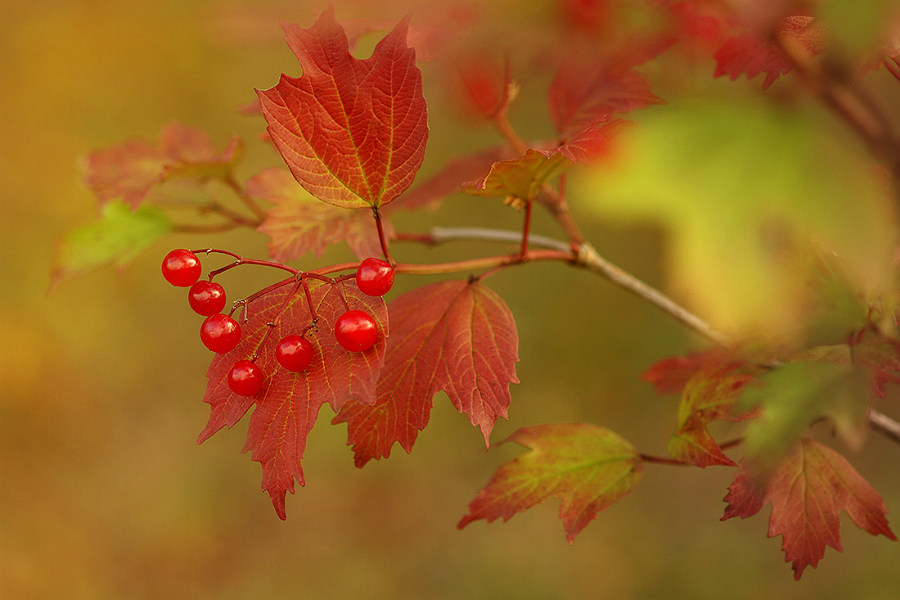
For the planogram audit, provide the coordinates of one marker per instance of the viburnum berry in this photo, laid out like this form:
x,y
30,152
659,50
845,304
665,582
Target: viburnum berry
x,y
181,268
356,331
220,333
245,378
375,277
294,352
206,298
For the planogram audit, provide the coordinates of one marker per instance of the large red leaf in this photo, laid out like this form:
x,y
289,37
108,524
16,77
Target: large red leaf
x,y
352,131
288,404
590,468
807,491
299,224
454,336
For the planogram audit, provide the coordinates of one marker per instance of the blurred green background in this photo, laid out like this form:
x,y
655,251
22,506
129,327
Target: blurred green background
x,y
105,494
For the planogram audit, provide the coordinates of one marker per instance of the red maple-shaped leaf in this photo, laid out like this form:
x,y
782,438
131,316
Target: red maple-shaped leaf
x,y
587,91
299,224
131,169
352,131
808,490
588,467
287,405
752,54
708,396
454,336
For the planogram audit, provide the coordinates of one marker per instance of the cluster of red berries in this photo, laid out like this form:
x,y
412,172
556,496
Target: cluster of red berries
x,y
355,330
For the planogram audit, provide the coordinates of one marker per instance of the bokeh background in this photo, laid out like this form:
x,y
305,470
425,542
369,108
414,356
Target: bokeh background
x,y
106,495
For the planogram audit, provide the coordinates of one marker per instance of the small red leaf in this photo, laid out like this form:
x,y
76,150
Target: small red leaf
x,y
521,178
352,131
670,375
586,92
454,336
299,224
588,467
753,55
449,179
807,492
487,85
131,169
708,396
289,402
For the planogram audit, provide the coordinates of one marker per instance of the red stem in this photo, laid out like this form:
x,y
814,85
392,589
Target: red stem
x,y
526,227
274,321
381,238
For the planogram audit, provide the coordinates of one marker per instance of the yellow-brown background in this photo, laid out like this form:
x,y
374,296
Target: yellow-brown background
x,y
105,494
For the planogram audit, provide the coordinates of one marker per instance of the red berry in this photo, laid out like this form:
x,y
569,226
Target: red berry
x,y
220,333
375,277
206,298
294,353
356,331
245,378
181,268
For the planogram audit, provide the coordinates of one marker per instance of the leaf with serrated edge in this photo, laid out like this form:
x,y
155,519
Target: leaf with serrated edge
x,y
795,395
298,224
807,491
752,54
588,467
288,403
708,396
454,336
352,131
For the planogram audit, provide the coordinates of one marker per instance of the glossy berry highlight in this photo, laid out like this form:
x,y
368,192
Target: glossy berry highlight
x,y
356,331
206,298
294,353
245,378
181,268
220,333
375,277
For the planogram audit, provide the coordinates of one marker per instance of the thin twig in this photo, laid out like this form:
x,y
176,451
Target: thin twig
x,y
884,425
589,258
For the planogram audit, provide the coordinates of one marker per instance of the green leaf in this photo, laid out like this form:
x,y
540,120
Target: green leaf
x,y
519,178
744,191
590,468
794,396
117,239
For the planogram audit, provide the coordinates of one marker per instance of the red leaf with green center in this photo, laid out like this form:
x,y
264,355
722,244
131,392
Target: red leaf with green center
x,y
708,396
807,491
131,169
588,467
352,131
454,336
299,224
753,55
287,405
522,178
